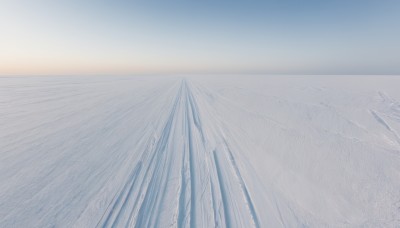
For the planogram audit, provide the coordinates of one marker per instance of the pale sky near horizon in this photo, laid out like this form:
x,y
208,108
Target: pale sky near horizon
x,y
219,36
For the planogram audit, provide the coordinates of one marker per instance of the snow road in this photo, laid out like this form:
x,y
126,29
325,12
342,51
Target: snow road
x,y
199,152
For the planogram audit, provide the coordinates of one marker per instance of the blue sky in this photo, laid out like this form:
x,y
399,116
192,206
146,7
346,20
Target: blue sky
x,y
220,36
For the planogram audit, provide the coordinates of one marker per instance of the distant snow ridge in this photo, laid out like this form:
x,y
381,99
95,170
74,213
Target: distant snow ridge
x,y
301,151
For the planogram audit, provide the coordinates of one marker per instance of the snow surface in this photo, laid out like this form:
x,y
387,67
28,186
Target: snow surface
x,y
226,151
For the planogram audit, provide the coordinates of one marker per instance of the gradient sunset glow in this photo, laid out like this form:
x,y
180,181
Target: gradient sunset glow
x,y
135,37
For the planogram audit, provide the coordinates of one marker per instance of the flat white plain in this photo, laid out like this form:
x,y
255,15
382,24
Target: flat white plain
x,y
200,151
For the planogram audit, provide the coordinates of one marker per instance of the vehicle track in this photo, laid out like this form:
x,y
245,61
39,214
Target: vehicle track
x,y
182,180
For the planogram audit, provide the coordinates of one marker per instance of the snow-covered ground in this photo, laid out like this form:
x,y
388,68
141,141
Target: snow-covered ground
x,y
222,151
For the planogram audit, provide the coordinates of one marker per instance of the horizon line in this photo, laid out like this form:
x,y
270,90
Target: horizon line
x,y
195,74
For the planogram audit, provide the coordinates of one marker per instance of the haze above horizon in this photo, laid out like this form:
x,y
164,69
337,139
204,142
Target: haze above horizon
x,y
135,37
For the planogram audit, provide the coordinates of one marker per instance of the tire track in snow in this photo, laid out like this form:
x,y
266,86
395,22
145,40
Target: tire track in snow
x,y
211,190
151,197
122,198
159,147
182,195
223,191
193,186
230,221
245,191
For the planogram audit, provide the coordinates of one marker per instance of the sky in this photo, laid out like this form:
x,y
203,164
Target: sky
x,y
206,36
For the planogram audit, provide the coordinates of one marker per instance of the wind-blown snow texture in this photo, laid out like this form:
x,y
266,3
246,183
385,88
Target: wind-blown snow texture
x,y
287,151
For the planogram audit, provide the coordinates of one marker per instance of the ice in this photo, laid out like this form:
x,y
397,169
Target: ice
x,y
200,151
